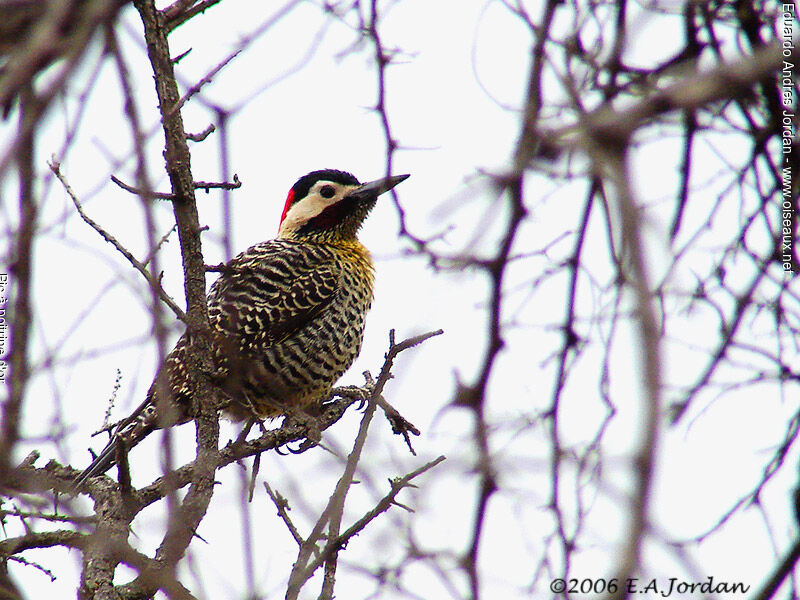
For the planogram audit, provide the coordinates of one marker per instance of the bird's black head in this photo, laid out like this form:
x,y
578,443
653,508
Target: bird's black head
x,y
330,205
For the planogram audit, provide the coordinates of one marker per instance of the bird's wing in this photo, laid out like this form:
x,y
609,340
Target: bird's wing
x,y
263,296
270,292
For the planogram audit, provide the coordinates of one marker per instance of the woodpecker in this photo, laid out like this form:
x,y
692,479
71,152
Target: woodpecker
x,y
287,315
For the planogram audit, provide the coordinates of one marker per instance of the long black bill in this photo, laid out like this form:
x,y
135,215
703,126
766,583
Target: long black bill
x,y
373,189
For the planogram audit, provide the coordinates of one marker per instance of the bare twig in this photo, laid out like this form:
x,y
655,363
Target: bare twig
x,y
149,195
224,185
283,512
611,154
177,13
690,93
386,502
331,518
400,425
198,185
782,571
199,137
55,167
474,396
186,515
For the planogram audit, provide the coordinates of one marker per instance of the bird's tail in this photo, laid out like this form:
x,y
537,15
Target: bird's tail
x,y
127,434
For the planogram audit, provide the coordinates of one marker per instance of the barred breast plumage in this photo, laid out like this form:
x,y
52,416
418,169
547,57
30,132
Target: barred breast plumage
x,y
288,321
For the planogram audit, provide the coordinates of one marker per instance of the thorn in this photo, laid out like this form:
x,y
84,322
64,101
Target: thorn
x,y
181,56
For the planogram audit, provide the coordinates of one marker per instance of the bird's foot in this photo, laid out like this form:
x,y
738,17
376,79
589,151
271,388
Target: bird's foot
x,y
312,431
306,444
360,394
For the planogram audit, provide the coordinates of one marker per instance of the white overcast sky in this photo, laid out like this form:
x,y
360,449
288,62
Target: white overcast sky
x,y
463,64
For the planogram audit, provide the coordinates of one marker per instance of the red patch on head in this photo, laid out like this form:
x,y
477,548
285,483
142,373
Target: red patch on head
x,y
287,206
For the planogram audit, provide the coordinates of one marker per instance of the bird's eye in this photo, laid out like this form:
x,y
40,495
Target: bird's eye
x,y
327,191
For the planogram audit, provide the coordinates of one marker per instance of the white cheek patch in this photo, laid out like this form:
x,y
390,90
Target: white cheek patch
x,y
304,210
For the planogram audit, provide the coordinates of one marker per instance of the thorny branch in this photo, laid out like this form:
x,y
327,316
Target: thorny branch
x,y
604,135
636,274
184,516
117,508
328,526
199,185
55,167
48,33
474,396
721,83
